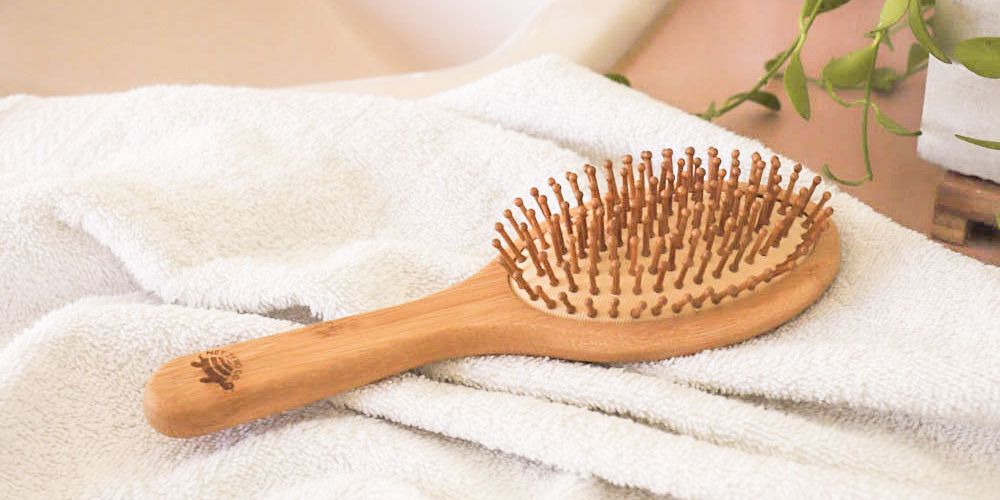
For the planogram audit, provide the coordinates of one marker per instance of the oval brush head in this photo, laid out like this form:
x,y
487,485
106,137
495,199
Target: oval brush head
x,y
644,265
656,245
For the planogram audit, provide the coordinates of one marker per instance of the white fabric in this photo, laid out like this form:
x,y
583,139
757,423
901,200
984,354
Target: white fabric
x,y
141,226
958,101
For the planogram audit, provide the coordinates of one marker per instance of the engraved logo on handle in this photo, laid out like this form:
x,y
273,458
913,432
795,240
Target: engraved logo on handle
x,y
220,367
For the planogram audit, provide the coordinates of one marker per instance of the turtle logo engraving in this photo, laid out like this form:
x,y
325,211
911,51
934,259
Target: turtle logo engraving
x,y
220,367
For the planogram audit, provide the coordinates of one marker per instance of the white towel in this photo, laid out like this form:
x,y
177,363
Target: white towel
x,y
141,226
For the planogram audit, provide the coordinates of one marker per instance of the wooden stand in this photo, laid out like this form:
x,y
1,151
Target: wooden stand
x,y
962,200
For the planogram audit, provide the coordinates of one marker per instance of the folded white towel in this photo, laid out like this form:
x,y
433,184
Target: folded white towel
x,y
175,201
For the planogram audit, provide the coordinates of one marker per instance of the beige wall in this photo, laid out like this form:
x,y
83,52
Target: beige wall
x,y
52,47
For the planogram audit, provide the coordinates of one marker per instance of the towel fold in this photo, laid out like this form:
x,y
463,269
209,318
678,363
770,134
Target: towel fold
x,y
141,226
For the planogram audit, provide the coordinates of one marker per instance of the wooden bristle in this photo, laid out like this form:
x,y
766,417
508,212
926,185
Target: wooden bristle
x,y
568,272
699,208
697,225
599,222
513,223
696,302
679,305
612,248
640,186
517,254
574,259
626,191
567,218
540,200
521,282
593,247
661,273
544,257
637,310
761,236
658,307
519,203
557,190
667,163
812,187
689,153
689,261
571,177
555,233
633,253
592,275
570,308
549,303
506,259
727,236
637,287
595,191
723,256
616,277
609,175
786,198
699,277
816,210
537,228
532,250
744,244
658,248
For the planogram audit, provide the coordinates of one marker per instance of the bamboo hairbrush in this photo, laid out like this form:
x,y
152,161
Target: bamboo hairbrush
x,y
656,266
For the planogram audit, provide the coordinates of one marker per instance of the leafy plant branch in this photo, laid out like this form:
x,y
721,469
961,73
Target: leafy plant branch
x,y
810,10
867,105
859,70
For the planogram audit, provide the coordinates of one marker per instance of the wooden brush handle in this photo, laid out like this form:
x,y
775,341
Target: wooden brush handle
x,y
202,393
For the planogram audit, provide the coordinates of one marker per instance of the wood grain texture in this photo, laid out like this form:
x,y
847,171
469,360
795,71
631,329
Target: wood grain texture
x,y
949,226
971,198
960,201
478,316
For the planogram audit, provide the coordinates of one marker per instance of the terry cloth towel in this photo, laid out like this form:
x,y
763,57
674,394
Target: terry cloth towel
x,y
141,226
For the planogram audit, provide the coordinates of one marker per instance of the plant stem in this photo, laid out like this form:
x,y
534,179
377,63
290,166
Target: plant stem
x,y
864,122
799,40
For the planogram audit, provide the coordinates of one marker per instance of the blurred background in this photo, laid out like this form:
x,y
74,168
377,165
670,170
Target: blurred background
x,y
685,53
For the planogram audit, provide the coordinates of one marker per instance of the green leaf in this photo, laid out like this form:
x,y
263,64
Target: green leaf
x,y
851,69
887,40
829,5
916,57
919,29
618,78
807,8
764,98
890,125
980,142
892,11
709,113
825,6
795,86
769,65
980,55
884,79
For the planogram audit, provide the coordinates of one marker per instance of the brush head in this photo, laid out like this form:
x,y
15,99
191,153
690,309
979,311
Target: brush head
x,y
649,245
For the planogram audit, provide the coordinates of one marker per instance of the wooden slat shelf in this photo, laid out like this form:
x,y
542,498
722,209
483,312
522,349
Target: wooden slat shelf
x,y
960,202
